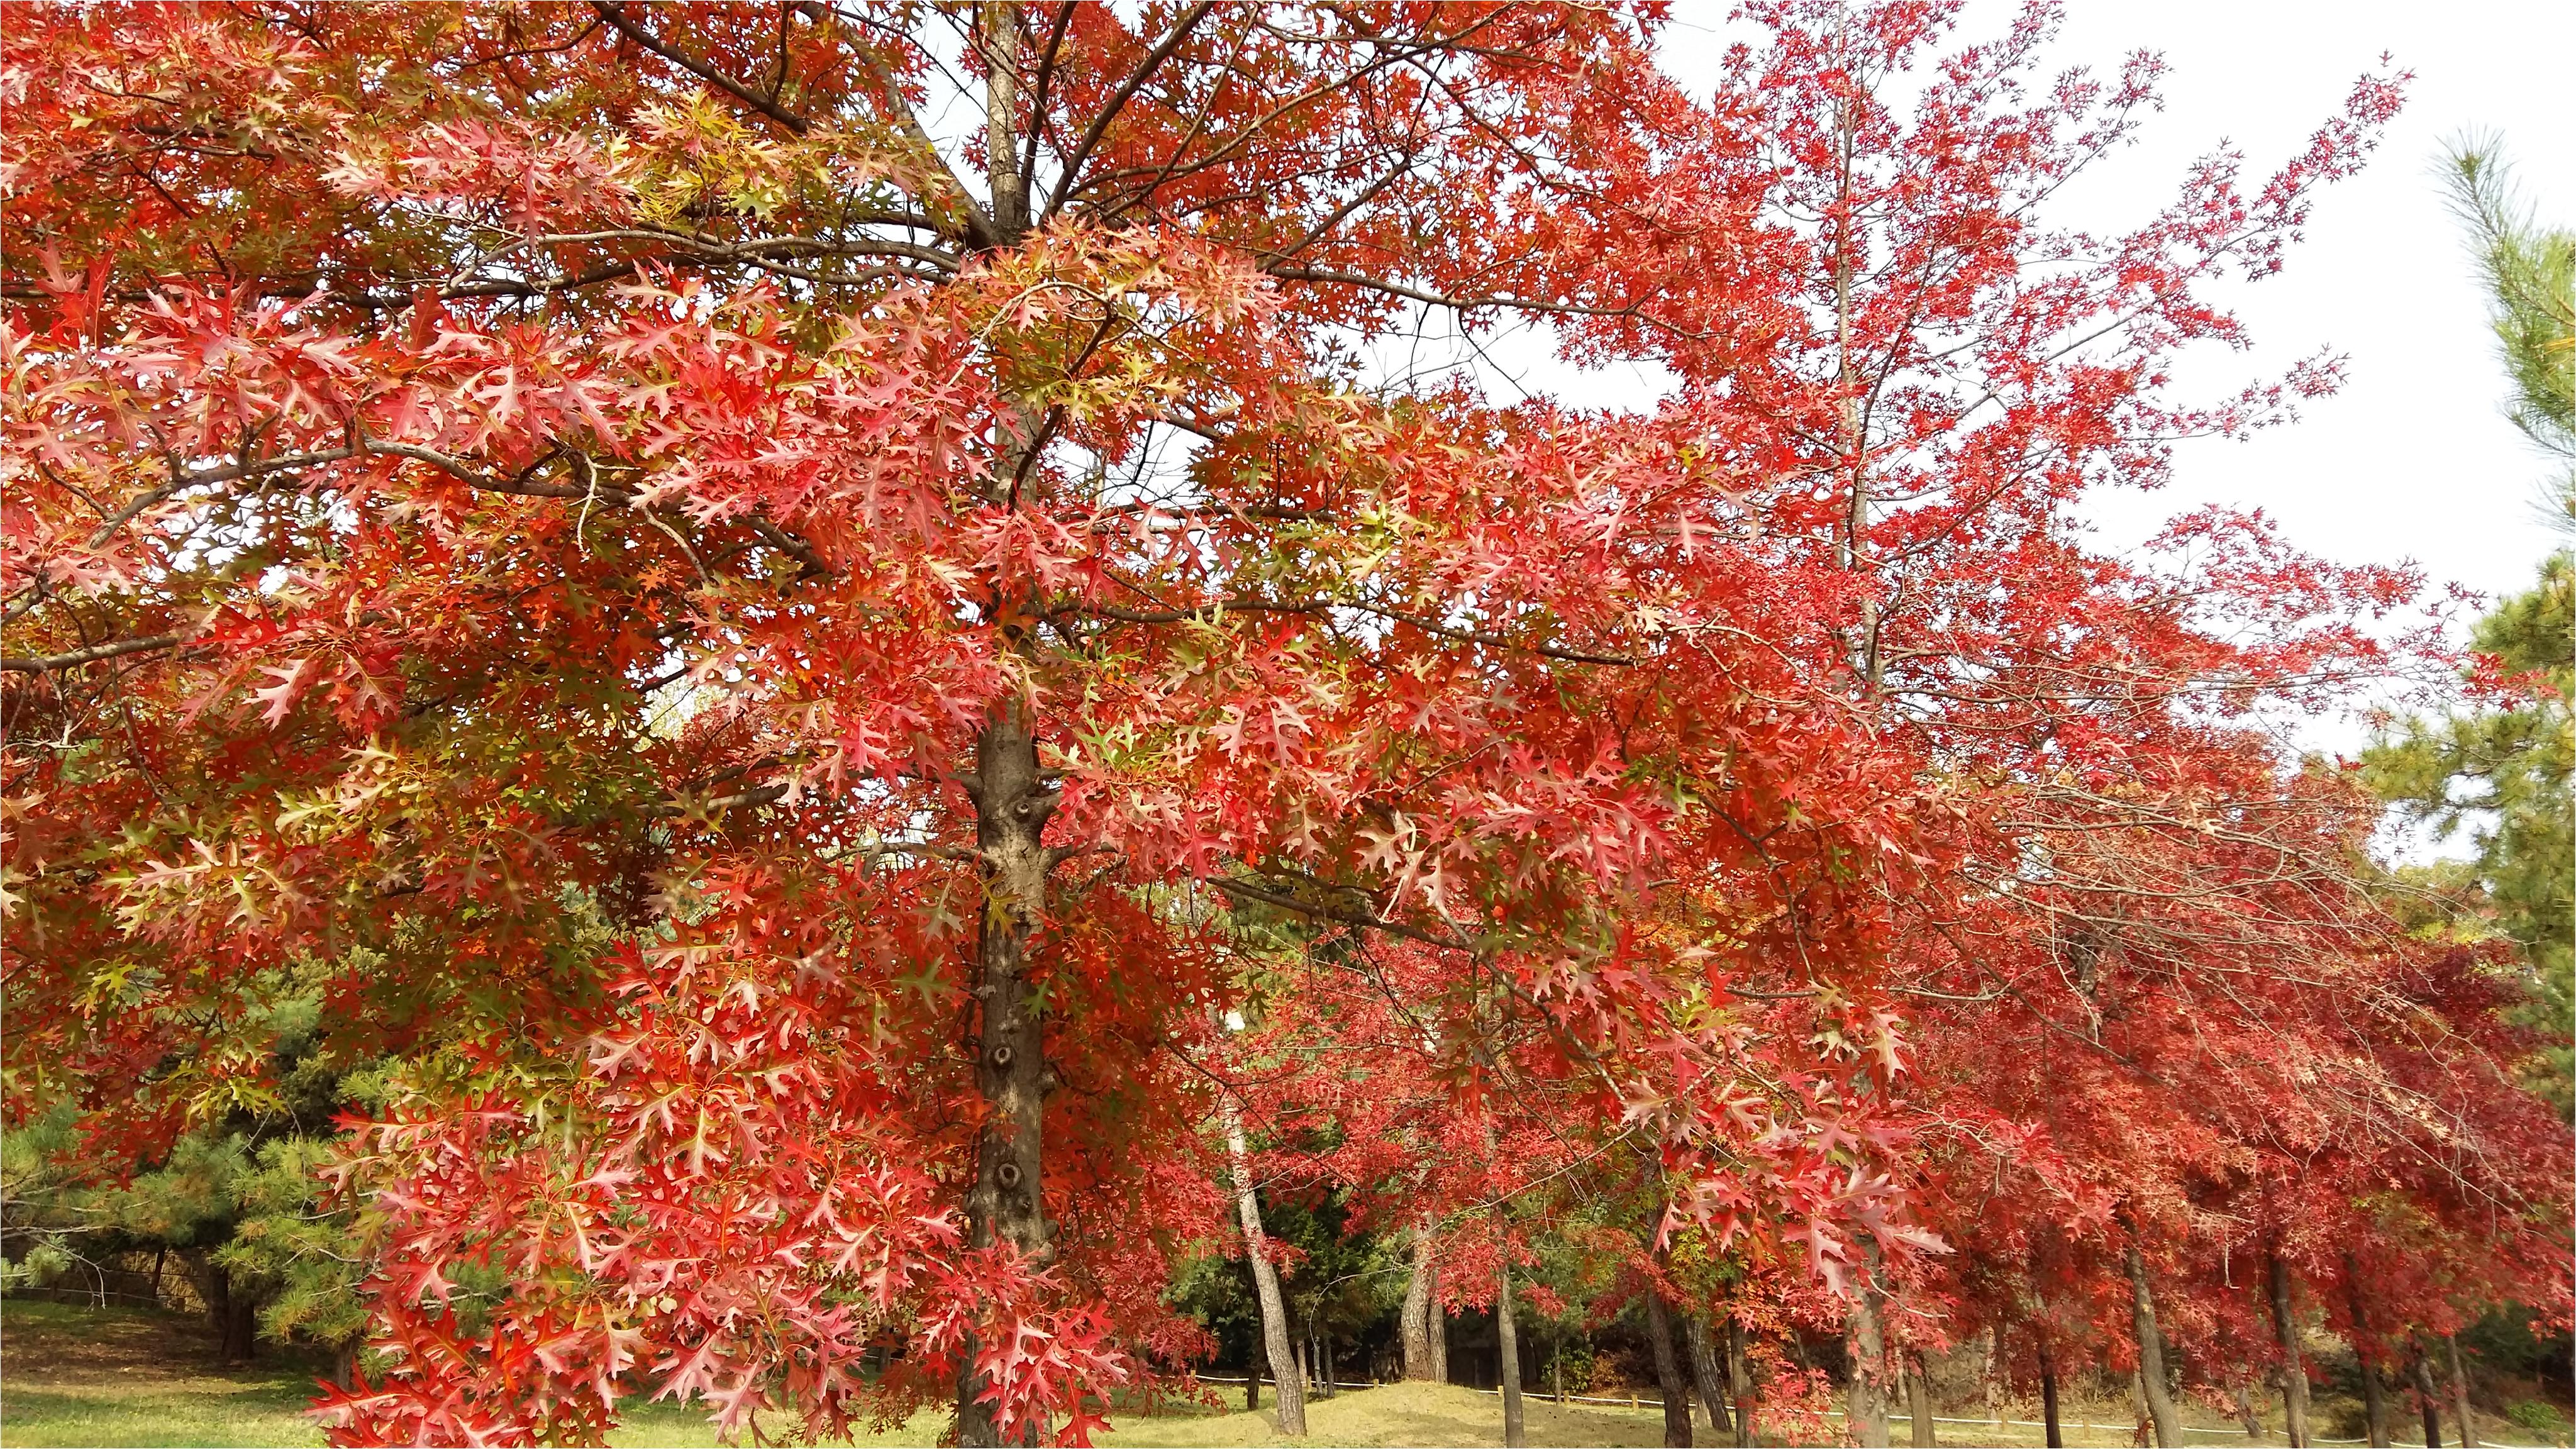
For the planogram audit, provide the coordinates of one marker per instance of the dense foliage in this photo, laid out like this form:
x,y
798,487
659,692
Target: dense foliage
x,y
871,727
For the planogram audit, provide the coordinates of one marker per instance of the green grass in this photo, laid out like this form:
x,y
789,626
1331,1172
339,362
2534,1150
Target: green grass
x,y
73,1375
78,1376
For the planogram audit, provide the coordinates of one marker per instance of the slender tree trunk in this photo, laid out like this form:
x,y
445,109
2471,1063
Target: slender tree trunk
x,y
1324,1361
1866,1399
1012,803
1435,1323
2374,1405
1668,1372
1285,1371
2428,1399
2048,1397
1416,1321
1995,1381
2460,1394
2247,1414
1918,1402
1704,1373
1739,1381
2294,1374
1252,1376
1508,1339
2151,1355
2374,1394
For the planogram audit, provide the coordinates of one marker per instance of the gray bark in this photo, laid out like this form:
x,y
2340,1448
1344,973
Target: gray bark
x,y
1705,1378
2294,1374
1918,1403
1865,1400
1994,1385
1285,1373
2374,1405
2374,1394
1739,1381
1012,803
1435,1324
2151,1355
2247,1414
1416,1314
1668,1372
2460,1395
2428,1400
1508,1339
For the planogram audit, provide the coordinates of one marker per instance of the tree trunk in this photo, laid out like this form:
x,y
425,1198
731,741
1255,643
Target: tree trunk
x,y
2460,1394
1508,1339
2374,1394
1668,1372
2374,1406
1012,803
1918,1403
2247,1414
1705,1380
2048,1397
1865,1400
240,1327
1995,1382
2294,1374
231,1313
2428,1399
1252,1377
1416,1323
1435,1324
1284,1370
2151,1355
1739,1381
1324,1361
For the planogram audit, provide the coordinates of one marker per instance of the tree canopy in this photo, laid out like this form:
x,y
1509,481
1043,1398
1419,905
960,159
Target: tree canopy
x,y
822,635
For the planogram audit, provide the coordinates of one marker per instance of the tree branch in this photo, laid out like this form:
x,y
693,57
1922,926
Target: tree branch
x,y
614,12
1127,89
21,664
1249,891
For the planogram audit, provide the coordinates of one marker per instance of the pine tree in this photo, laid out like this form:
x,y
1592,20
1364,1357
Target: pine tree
x,y
2502,770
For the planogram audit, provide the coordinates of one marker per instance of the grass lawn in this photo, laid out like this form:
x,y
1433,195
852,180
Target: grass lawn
x,y
80,1376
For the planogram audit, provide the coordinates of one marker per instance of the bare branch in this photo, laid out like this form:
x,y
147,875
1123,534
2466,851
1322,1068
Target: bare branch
x,y
614,12
21,664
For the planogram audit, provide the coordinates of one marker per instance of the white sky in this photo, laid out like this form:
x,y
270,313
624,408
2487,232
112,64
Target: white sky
x,y
2413,460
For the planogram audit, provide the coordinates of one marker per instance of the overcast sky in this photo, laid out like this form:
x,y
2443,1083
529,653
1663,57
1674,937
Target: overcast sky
x,y
2413,460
